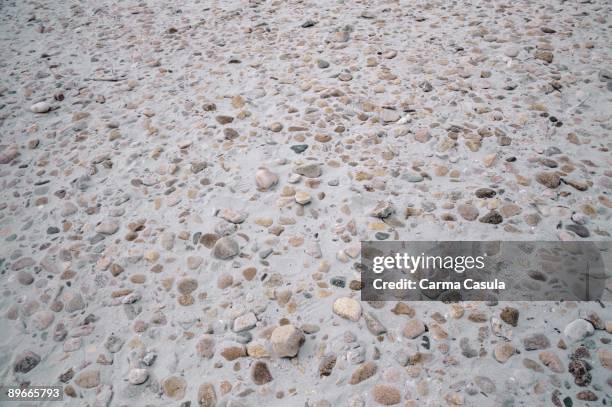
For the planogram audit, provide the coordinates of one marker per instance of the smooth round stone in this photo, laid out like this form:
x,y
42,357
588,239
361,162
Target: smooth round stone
x,y
578,330
225,248
40,107
138,376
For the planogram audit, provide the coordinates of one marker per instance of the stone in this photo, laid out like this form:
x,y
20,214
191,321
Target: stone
x,y
327,364
287,340
265,179
492,217
605,358
260,374
383,210
187,285
552,361
302,197
536,342
503,351
422,135
40,107
580,230
485,193
548,179
509,315
88,379
373,324
225,248
113,343
467,211
207,397
363,372
138,376
107,227
347,308
546,56
174,387
578,329
389,115
386,395
232,216
401,308
26,361
245,322
205,347
413,329
308,170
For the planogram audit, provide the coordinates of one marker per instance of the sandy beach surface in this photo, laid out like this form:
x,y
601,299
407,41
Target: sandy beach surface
x,y
184,186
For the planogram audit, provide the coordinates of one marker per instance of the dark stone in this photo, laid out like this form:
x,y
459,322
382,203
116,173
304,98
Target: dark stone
x,y
580,370
327,365
260,374
26,362
579,230
299,148
485,193
493,217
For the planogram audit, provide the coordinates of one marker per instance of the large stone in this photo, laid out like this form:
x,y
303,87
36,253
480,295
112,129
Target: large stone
x,y
548,179
25,362
347,308
363,372
174,387
503,351
207,397
536,342
386,395
225,248
578,329
265,179
413,328
88,379
245,322
287,340
260,374
308,170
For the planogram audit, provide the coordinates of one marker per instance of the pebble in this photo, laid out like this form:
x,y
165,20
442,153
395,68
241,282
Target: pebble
x,y
492,217
88,379
138,376
468,212
548,179
413,328
174,387
207,396
287,340
225,248
503,351
347,308
260,374
578,329
26,361
386,395
265,179
536,342
363,372
40,107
